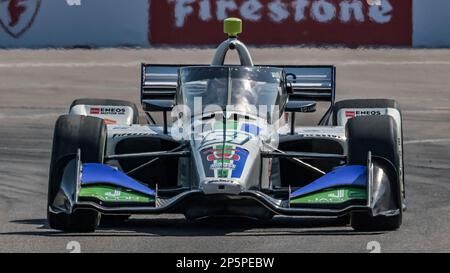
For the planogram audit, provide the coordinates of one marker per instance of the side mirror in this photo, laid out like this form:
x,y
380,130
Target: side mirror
x,y
158,105
289,79
301,106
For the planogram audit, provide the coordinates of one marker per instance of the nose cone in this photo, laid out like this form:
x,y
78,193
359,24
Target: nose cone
x,y
226,156
224,161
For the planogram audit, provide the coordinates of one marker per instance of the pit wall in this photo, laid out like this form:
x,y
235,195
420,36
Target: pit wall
x,y
431,23
144,23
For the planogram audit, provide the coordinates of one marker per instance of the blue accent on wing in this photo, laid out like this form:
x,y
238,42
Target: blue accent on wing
x,y
240,164
251,129
104,174
355,176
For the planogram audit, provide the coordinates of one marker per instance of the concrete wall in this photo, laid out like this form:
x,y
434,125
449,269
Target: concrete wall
x,y
115,23
431,23
101,23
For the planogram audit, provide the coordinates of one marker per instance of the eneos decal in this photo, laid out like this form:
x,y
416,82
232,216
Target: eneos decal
x,y
107,111
349,114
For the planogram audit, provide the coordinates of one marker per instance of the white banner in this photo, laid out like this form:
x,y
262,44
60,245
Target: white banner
x,y
71,23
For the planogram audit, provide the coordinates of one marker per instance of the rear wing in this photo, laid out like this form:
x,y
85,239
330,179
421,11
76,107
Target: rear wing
x,y
158,85
308,83
311,83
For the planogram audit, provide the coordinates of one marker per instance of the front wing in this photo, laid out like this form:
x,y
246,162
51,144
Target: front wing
x,y
372,188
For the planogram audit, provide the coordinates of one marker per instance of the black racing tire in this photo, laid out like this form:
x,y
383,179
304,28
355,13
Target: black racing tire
x,y
374,103
378,135
362,221
73,132
108,102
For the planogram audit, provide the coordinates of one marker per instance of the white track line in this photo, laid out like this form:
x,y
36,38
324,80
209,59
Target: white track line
x,y
423,141
356,63
136,63
31,116
27,150
69,65
429,111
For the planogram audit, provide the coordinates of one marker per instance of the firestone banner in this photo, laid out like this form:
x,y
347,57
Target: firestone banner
x,y
284,22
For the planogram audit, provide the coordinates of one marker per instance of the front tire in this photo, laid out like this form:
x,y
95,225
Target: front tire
x,y
362,221
378,135
71,133
373,107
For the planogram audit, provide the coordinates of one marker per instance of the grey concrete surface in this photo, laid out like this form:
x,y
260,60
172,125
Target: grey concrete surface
x,y
37,86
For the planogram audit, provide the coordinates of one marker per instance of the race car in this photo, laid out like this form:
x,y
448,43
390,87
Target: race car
x,y
229,145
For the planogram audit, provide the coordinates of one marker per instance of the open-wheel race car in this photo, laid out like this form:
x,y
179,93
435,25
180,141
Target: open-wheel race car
x,y
229,145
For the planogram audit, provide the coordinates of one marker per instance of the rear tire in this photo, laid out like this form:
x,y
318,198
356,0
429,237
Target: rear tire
x,y
71,133
378,135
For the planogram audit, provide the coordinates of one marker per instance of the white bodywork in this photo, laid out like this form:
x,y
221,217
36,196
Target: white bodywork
x,y
111,114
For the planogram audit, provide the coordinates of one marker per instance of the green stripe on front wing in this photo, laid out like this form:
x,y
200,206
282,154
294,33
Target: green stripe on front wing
x,y
332,196
114,194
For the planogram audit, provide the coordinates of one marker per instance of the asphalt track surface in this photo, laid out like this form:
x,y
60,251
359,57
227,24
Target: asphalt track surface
x,y
37,86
